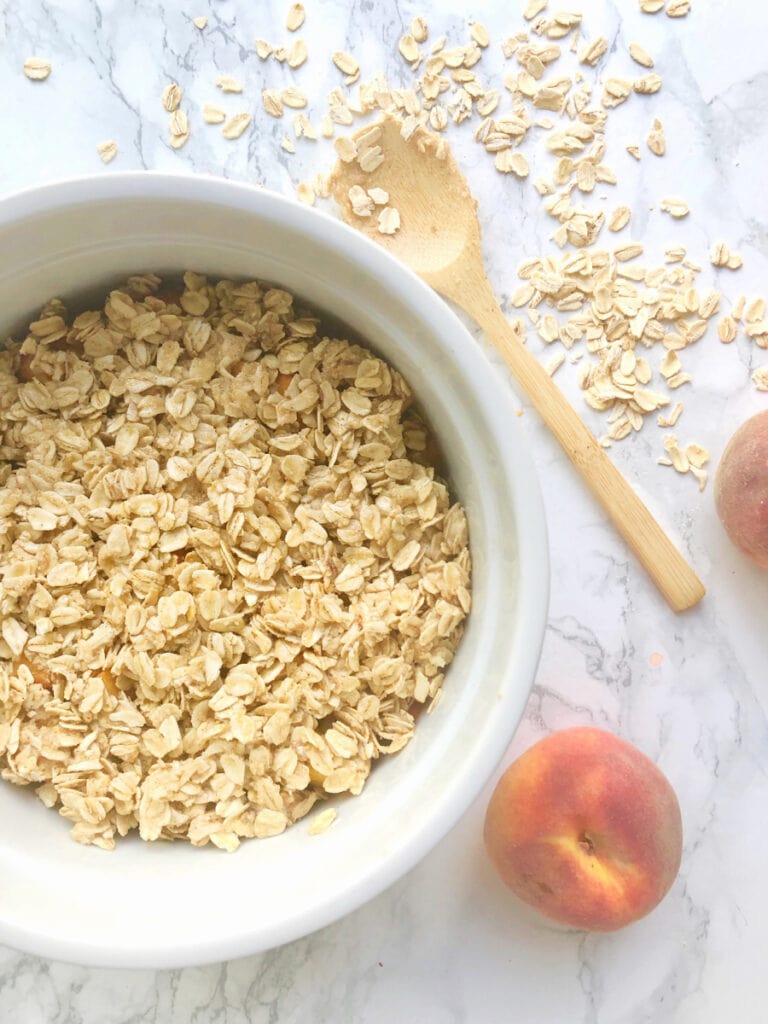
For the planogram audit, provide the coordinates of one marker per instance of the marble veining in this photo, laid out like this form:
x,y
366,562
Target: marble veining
x,y
447,945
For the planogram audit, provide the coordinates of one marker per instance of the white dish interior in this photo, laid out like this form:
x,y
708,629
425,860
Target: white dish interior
x,y
167,905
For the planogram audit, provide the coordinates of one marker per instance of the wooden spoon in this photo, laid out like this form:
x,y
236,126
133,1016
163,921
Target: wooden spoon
x,y
439,239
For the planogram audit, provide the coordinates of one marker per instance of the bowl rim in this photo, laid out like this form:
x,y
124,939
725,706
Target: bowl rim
x,y
533,556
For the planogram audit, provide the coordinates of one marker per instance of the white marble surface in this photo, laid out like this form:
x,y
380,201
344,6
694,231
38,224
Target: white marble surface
x,y
447,943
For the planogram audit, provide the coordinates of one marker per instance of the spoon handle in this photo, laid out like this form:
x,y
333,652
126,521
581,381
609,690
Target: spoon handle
x,y
674,578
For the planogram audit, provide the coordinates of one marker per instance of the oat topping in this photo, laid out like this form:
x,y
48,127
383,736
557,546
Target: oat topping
x,y
322,822
229,574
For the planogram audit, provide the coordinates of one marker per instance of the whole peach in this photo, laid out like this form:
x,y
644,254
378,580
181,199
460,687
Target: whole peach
x,y
584,827
741,489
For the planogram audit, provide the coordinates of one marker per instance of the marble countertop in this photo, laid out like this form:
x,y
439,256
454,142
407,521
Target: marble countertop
x,y
447,944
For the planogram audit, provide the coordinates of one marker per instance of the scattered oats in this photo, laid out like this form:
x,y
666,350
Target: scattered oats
x,y
738,310
676,208
721,256
321,183
379,196
671,419
592,52
264,49
656,140
727,330
651,6
107,151
326,126
305,193
696,455
670,364
172,96
634,151
533,9
322,821
286,143
438,118
628,252
346,149
648,84
346,63
370,159
615,92
236,125
295,18
37,69
361,201
408,48
297,54
675,456
419,29
510,162
293,97
213,114
619,219
389,221
270,99
678,379
755,310
554,364
675,254
228,83
677,8
479,34
200,22
179,123
177,141
303,127
640,56
709,305
760,378
523,295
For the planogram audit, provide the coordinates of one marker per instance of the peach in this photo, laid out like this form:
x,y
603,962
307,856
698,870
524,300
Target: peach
x,y
585,828
741,489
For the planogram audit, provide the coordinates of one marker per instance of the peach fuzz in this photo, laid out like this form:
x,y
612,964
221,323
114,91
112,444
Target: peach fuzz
x,y
586,829
741,489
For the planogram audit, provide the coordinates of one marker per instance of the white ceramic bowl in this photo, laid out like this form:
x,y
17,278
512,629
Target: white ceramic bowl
x,y
168,905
